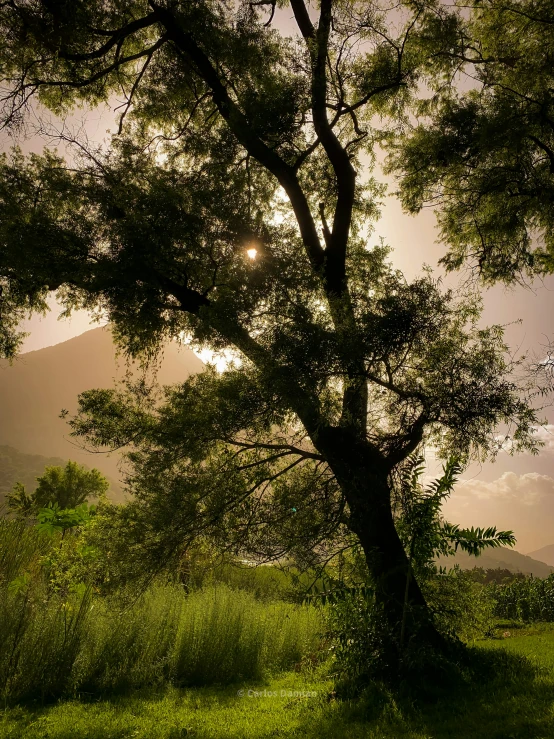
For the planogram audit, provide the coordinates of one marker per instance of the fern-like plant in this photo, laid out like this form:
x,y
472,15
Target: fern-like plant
x,y
424,531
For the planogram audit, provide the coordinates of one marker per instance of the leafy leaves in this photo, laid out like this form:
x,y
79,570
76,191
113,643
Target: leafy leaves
x,y
53,519
424,532
483,152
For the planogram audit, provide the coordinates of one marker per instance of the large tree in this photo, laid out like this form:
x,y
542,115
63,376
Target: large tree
x,y
233,207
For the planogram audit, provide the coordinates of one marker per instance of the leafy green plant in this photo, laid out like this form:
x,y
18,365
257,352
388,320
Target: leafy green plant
x,y
463,608
54,519
424,532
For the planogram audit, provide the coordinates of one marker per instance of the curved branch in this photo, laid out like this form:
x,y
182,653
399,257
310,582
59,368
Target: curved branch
x,y
116,37
287,448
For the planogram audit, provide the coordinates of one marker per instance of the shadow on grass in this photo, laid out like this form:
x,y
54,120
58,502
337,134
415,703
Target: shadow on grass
x,y
503,696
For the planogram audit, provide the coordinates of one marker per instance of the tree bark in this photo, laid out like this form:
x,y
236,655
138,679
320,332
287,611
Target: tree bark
x,y
363,475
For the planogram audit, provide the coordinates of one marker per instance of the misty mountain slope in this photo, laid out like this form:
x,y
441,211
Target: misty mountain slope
x,y
40,384
545,554
502,557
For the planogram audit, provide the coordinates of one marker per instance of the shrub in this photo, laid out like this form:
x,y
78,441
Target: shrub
x,y
462,607
41,632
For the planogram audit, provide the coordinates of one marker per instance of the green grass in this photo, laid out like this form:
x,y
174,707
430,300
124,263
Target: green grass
x,y
515,702
59,639
52,647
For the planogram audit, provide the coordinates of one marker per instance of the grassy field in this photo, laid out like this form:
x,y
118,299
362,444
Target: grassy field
x,y
515,703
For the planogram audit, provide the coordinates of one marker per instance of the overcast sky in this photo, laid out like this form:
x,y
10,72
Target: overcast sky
x,y
513,493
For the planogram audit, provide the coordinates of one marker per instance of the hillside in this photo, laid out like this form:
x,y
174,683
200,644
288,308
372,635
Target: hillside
x,y
40,384
503,558
545,554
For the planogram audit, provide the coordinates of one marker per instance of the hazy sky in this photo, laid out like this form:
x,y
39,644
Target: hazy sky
x,y
513,493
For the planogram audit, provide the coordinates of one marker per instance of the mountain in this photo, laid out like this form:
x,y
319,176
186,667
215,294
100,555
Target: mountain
x,y
39,384
504,558
546,554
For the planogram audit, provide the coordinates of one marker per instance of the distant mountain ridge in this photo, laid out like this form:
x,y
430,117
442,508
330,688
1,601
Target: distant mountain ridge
x,y
546,554
39,384
503,558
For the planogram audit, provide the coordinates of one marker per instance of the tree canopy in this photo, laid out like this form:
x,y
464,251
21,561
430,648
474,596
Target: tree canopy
x,y
233,208
484,156
65,487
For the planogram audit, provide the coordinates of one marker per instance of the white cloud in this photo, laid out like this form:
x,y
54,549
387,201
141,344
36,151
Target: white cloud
x,y
545,434
528,489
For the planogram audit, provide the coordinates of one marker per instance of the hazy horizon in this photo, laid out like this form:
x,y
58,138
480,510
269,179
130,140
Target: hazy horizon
x,y
515,493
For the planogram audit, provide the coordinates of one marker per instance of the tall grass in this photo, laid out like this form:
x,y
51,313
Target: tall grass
x,y
64,643
39,633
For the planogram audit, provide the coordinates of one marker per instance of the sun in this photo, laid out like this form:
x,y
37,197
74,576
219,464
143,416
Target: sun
x,y
252,252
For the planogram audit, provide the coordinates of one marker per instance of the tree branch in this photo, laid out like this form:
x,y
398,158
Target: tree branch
x,y
93,78
288,448
116,37
239,125
318,43
547,150
410,441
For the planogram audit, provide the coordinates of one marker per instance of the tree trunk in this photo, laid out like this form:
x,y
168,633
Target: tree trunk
x,y
363,476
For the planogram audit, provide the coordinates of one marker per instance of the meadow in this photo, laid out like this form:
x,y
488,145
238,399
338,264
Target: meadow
x,y
515,700
238,655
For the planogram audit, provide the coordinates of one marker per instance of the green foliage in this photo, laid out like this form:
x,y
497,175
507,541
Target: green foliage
x,y
59,488
475,540
40,631
60,637
526,599
53,518
424,532
20,501
485,155
461,607
21,549
361,646
69,487
16,466
216,635
498,575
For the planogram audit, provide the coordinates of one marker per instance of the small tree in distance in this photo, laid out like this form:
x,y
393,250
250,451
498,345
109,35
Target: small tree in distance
x,y
65,487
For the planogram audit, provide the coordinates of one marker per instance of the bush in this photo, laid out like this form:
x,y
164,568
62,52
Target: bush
x,y
462,608
365,649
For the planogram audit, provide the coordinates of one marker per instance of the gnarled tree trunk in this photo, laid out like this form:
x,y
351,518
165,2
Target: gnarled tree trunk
x,y
363,475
